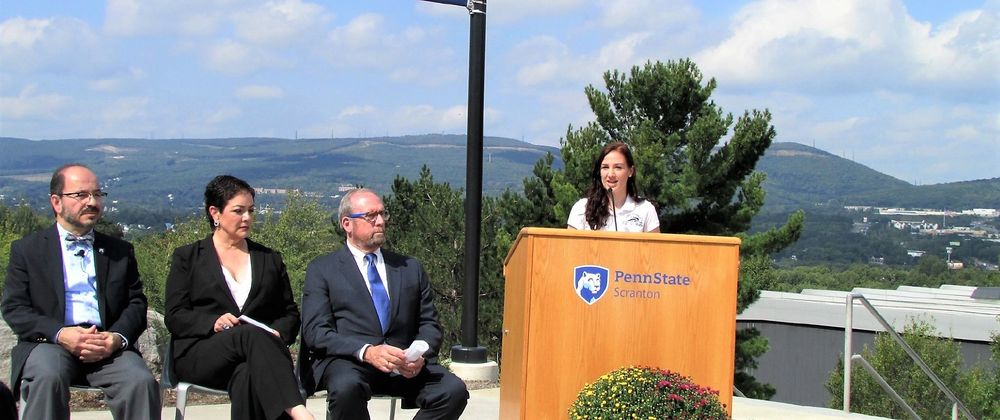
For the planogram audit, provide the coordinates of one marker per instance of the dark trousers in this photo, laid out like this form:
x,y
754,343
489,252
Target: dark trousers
x,y
252,364
8,409
350,384
130,389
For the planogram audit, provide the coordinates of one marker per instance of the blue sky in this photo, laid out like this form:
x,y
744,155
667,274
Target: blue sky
x,y
909,88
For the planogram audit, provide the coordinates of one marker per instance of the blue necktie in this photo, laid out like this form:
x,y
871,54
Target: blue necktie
x,y
379,296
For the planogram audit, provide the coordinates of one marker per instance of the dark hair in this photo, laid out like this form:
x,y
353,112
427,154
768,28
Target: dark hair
x,y
220,190
597,212
59,179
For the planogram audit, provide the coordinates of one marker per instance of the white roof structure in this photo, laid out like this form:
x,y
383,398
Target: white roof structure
x,y
951,309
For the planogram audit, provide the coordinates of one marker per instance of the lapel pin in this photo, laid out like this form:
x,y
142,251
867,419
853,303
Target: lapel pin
x,y
100,251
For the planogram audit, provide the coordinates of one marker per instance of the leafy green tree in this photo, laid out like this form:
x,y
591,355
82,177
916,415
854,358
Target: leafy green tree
x,y
976,387
428,223
14,224
303,231
700,183
663,112
153,253
539,204
931,265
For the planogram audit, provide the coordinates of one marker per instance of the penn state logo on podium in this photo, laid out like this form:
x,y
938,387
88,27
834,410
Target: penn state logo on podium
x,y
590,282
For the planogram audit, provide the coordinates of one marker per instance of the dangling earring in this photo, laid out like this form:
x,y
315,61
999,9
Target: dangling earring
x,y
216,224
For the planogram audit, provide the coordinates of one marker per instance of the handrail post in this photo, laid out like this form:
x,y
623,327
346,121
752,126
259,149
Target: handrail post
x,y
959,406
848,333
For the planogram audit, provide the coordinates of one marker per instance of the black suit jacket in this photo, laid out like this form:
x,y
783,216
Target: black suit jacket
x,y
197,294
34,297
339,317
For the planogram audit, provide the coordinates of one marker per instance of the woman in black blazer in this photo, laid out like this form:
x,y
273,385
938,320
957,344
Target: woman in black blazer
x,y
215,288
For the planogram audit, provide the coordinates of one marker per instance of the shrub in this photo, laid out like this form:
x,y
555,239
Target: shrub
x,y
646,393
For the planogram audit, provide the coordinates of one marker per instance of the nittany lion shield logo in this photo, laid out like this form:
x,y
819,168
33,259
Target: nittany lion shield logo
x,y
590,282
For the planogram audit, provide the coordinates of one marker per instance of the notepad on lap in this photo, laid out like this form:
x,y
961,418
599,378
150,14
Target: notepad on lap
x,y
251,321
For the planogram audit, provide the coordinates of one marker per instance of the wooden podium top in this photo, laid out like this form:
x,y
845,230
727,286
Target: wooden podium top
x,y
629,236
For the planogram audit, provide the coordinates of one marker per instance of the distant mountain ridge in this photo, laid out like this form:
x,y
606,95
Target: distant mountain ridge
x,y
145,172
171,172
799,175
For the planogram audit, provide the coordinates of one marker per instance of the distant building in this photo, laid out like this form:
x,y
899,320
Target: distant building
x,y
915,253
912,225
805,331
991,213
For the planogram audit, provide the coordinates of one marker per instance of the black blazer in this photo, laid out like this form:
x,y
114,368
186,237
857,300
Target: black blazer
x,y
34,296
197,294
339,317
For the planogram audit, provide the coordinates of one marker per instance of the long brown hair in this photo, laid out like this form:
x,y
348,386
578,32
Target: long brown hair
x,y
597,212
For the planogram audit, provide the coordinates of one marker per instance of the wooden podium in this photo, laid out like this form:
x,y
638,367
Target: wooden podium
x,y
669,302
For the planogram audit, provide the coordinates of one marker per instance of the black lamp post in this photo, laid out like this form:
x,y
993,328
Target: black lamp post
x,y
469,351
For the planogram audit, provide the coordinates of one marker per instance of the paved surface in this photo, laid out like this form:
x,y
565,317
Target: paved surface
x,y
484,404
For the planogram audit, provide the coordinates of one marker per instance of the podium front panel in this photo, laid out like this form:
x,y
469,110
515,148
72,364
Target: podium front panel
x,y
593,304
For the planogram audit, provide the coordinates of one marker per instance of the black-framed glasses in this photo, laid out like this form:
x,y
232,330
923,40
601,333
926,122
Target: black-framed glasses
x,y
371,216
84,195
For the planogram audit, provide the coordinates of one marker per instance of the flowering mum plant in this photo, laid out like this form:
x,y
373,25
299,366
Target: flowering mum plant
x,y
646,393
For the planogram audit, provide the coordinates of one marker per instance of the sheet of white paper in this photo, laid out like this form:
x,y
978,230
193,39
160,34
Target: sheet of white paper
x,y
251,321
416,349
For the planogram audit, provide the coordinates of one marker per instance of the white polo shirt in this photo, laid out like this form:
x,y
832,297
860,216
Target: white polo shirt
x,y
631,216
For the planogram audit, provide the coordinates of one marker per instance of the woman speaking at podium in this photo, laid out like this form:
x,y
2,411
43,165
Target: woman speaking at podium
x,y
612,201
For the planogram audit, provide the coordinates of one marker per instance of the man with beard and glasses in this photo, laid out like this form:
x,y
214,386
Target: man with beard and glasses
x,y
74,299
361,307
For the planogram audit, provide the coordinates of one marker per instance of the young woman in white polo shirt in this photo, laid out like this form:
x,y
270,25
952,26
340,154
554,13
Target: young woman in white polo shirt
x,y
612,202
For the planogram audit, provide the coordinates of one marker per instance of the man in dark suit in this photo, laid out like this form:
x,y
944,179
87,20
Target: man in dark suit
x,y
74,299
361,307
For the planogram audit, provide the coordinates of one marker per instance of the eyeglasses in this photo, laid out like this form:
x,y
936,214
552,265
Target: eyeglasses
x,y
84,195
371,216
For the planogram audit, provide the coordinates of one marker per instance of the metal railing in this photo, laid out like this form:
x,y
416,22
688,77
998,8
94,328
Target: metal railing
x,y
957,405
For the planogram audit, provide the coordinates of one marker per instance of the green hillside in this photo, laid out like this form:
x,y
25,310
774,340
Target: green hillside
x,y
153,174
802,176
167,175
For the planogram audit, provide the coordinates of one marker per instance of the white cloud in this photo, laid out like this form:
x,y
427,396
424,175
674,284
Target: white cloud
x,y
223,114
963,51
363,31
619,53
837,129
455,117
233,57
124,109
854,45
964,132
181,17
279,23
541,59
118,81
355,110
369,42
30,105
646,13
510,11
55,44
545,60
259,92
